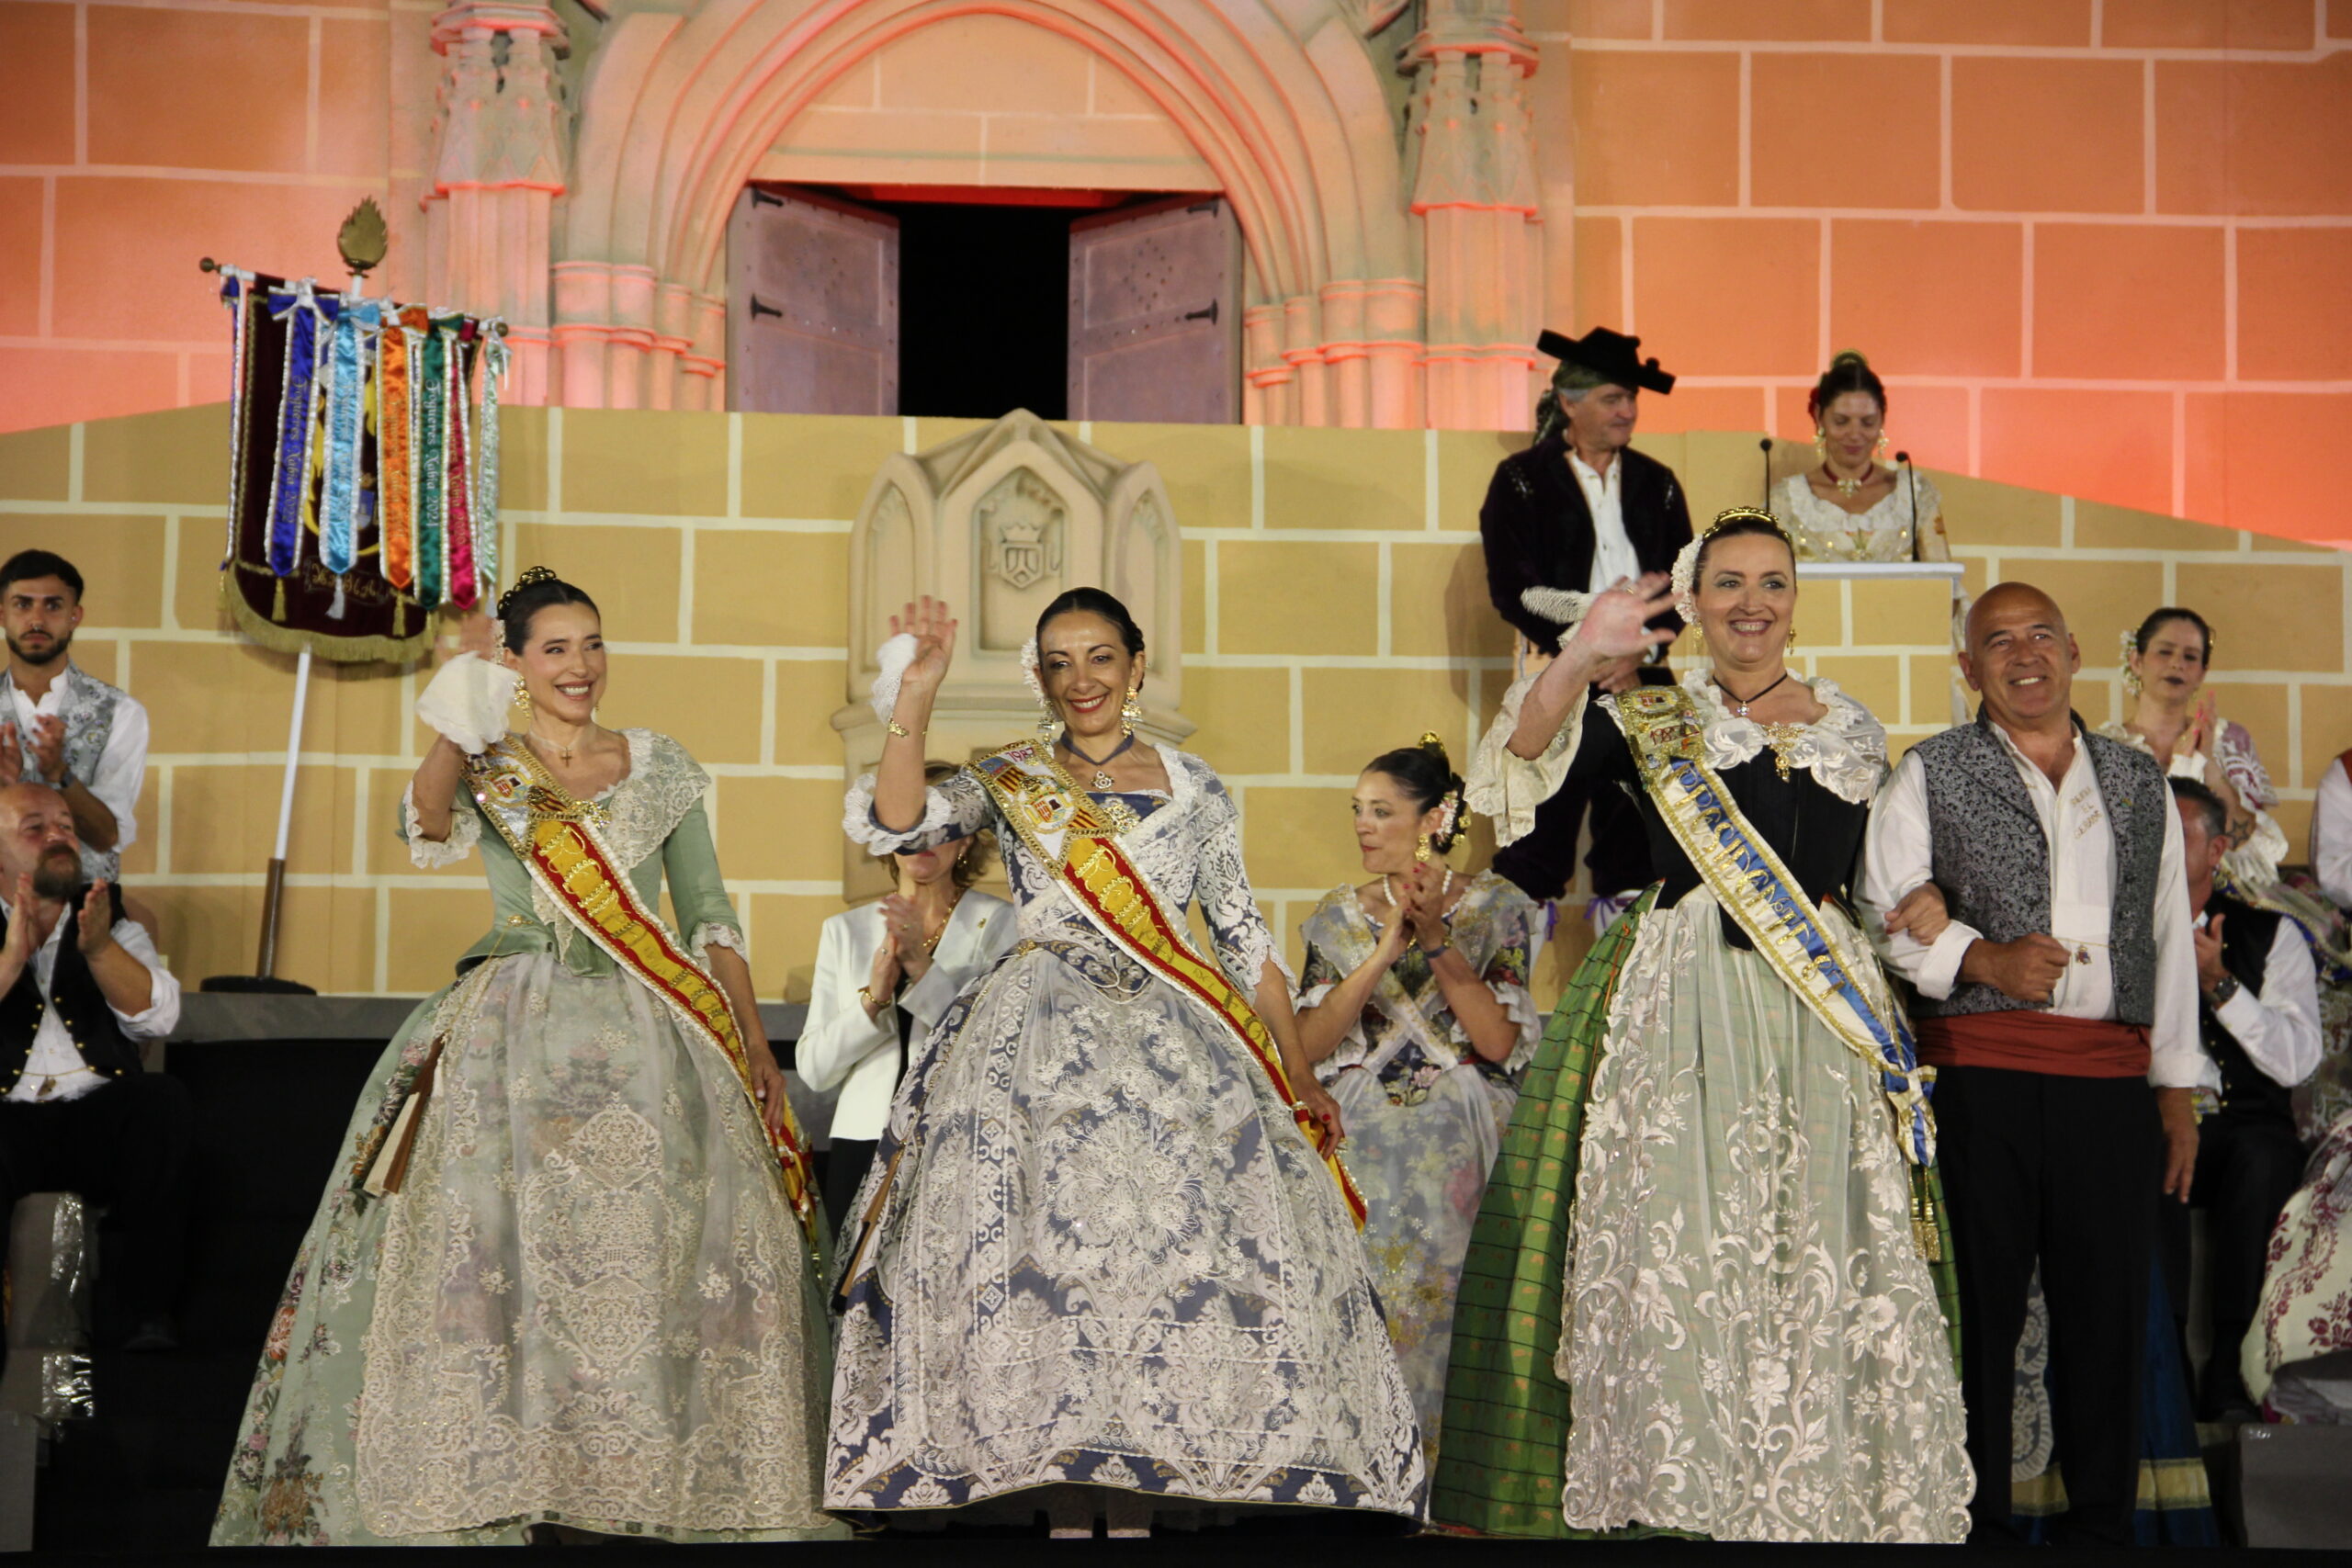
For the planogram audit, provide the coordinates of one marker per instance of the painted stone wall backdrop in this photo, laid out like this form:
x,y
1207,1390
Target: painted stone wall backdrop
x,y
1335,606
2101,247
2098,247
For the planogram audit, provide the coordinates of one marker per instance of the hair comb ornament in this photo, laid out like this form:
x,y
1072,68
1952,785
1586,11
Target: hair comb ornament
x,y
531,575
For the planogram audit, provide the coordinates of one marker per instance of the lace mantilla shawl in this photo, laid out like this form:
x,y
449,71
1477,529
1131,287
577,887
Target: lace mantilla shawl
x,y
1845,750
1191,848
642,810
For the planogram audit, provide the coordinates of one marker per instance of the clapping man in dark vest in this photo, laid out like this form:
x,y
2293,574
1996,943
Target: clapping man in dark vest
x,y
2059,1008
2258,1016
80,987
1573,515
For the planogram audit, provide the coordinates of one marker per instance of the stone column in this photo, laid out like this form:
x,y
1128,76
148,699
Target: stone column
x,y
1474,189
502,142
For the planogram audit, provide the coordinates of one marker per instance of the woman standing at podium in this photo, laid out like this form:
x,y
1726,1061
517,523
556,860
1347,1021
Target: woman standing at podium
x,y
566,1269
1850,505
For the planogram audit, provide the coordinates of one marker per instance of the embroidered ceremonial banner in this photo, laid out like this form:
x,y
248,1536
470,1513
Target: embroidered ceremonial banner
x,y
1751,883
557,837
1065,828
353,429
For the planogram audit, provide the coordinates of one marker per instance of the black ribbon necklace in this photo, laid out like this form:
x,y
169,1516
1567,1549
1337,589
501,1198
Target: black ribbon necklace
x,y
1746,703
1102,779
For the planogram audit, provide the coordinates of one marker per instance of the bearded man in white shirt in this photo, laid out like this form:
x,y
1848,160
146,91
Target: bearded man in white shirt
x,y
2258,1017
60,725
80,989
2059,1006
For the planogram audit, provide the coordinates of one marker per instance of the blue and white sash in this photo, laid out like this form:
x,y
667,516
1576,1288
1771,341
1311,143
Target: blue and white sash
x,y
1666,735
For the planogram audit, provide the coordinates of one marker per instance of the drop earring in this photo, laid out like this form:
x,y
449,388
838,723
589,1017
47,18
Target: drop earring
x,y
1820,445
523,701
1046,726
1422,849
1130,713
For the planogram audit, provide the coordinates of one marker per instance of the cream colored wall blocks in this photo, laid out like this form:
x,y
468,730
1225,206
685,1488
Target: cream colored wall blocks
x,y
1313,638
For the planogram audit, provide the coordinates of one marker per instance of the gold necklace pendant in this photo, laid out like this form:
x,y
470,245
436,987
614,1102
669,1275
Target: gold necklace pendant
x,y
1102,781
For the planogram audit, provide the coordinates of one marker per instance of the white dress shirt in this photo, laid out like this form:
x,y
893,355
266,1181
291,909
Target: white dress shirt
x,y
840,1044
123,765
53,1059
1898,857
2332,834
1612,549
2278,1030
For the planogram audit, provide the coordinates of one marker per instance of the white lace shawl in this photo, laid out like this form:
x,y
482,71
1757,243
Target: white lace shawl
x,y
663,782
1191,848
1845,750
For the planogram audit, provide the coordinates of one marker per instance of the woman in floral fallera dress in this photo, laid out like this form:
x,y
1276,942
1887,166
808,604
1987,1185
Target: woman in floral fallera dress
x,y
1104,1260
562,1272
1413,1007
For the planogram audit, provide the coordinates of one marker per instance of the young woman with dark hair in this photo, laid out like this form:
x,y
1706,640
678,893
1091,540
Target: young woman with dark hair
x,y
1413,1007
566,1271
1105,1260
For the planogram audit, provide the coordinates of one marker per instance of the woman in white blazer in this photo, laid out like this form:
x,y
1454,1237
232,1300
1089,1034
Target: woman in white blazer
x,y
886,972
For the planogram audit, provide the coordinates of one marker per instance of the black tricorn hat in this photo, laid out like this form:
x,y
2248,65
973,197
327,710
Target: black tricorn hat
x,y
1613,356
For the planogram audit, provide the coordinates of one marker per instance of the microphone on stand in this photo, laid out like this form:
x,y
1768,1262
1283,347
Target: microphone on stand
x,y
1765,447
1904,458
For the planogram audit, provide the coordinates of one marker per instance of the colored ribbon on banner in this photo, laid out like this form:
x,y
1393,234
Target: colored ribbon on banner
x,y
396,444
355,321
431,464
464,591
291,476
494,371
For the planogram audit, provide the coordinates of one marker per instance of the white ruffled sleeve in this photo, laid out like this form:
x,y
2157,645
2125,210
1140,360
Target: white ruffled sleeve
x,y
712,934
464,832
1509,788
954,808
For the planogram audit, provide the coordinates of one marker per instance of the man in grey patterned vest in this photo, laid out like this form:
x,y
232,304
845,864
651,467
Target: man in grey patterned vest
x,y
60,725
2059,1006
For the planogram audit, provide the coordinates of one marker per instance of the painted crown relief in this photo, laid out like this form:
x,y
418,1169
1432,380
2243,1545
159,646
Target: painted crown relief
x,y
1328,126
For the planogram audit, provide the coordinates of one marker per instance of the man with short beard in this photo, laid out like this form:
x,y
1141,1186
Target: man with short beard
x,y
80,987
60,725
2058,1006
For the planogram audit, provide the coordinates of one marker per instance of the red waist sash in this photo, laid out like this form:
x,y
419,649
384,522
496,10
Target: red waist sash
x,y
2026,1042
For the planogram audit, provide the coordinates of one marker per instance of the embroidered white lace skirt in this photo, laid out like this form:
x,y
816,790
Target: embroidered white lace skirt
x,y
588,1303
1751,1339
1109,1257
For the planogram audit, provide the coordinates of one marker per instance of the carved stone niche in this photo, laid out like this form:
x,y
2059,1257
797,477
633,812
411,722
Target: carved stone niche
x,y
998,522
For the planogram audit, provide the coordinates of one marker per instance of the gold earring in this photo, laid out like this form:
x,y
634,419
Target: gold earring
x,y
1820,444
1880,451
1422,849
1791,642
1130,713
523,701
1047,725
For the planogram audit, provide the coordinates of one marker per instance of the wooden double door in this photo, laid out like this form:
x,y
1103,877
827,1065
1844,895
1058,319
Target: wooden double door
x,y
813,310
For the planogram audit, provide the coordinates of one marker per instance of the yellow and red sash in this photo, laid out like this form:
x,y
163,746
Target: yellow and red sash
x,y
557,837
1079,839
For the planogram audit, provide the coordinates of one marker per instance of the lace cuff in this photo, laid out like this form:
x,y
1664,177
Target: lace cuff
x,y
464,832
714,933
1247,954
940,820
1507,788
1526,1017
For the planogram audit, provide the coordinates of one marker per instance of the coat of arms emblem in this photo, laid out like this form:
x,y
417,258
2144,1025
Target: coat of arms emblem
x,y
1023,523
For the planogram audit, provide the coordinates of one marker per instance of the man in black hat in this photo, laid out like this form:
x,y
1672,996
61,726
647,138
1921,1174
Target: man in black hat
x,y
1575,512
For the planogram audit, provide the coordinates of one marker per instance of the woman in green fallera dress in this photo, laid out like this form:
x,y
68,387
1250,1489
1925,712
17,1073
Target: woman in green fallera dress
x,y
563,1272
1701,1295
